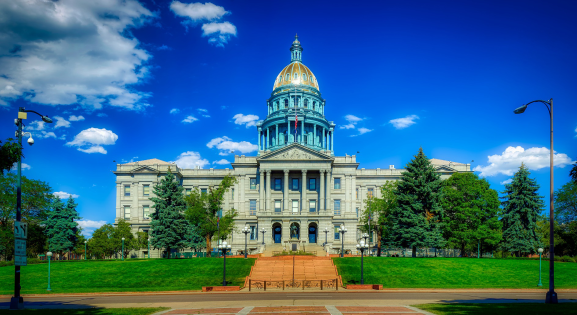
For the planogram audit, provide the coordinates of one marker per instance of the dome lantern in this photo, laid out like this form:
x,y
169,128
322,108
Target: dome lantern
x,y
296,50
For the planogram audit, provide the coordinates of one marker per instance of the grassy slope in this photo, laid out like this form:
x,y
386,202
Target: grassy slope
x,y
454,272
500,309
130,275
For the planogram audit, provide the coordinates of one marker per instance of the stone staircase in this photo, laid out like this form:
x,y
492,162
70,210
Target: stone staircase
x,y
271,248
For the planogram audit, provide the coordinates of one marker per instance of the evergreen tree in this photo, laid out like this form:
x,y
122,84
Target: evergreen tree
x,y
194,239
471,212
416,221
521,208
61,227
168,223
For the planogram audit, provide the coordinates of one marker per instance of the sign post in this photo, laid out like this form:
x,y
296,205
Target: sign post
x,y
20,236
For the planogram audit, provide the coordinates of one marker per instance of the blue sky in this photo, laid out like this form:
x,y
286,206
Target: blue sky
x,y
184,81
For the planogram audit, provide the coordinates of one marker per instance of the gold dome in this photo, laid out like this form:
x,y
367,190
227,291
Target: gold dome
x,y
296,73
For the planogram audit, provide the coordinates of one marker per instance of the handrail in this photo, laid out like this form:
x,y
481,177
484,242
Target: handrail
x,y
277,284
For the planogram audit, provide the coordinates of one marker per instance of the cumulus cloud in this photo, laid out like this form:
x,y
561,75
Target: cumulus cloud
x,y
509,161
401,123
91,140
221,162
189,119
73,52
36,125
75,118
247,120
24,166
218,33
64,195
41,130
505,182
352,122
175,111
190,159
227,146
61,122
89,226
203,110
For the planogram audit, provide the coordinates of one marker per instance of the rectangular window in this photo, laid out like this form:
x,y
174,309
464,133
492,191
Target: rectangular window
x,y
357,212
253,232
337,207
253,183
126,190
312,184
277,206
370,193
145,190
337,233
312,205
252,207
146,212
232,194
126,212
187,192
277,184
203,191
357,194
295,206
337,183
295,184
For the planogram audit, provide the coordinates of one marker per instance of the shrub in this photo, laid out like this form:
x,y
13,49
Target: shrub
x,y
566,259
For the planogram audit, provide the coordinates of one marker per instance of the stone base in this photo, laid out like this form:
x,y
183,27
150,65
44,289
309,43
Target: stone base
x,y
364,286
220,288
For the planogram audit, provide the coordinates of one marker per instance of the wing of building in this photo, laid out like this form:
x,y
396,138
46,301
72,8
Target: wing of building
x,y
295,187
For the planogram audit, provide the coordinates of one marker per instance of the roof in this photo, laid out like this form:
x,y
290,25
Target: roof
x,y
149,162
296,73
443,162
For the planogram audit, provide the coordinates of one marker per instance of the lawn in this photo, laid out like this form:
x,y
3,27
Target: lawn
x,y
455,273
90,311
128,275
500,309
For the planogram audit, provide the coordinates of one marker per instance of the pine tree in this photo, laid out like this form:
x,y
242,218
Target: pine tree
x,y
168,223
194,239
521,207
61,227
416,221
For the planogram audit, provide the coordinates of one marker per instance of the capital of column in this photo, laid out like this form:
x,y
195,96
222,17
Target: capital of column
x,y
286,171
304,172
268,172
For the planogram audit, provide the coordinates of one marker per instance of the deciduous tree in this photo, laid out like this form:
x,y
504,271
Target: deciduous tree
x,y
10,153
378,212
566,203
101,244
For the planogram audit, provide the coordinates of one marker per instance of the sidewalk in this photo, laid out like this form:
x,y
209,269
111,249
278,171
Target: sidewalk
x,y
327,309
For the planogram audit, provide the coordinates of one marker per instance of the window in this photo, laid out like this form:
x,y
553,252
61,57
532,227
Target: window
x,y
306,103
232,194
146,212
126,212
295,184
357,194
312,205
253,183
253,232
337,233
295,206
370,193
126,190
187,192
277,184
285,103
252,207
337,183
277,206
312,184
357,212
296,76
288,77
146,190
203,191
337,207
304,77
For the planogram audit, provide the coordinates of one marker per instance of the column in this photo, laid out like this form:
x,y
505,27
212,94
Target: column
x,y
324,144
119,195
288,130
346,184
268,188
285,188
241,202
276,138
322,193
303,131
332,140
362,195
330,186
134,209
267,137
261,190
304,192
259,130
354,192
314,134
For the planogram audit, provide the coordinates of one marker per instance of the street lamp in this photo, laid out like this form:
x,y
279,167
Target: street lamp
x,y
326,235
246,231
224,248
122,254
263,231
362,247
551,295
17,302
84,250
540,250
49,254
343,230
365,236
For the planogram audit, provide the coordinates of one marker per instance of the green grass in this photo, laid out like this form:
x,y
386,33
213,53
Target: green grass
x,y
126,276
455,273
500,308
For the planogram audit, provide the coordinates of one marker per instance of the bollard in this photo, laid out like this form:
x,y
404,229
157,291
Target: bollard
x,y
321,285
249,283
265,285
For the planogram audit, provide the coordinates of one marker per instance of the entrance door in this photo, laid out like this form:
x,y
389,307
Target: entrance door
x,y
312,234
277,234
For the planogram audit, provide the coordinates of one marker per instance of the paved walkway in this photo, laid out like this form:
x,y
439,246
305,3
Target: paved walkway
x,y
328,309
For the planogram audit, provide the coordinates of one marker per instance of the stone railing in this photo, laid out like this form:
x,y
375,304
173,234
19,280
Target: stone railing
x,y
293,284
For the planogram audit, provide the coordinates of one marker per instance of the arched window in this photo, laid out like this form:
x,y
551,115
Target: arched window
x,y
304,77
288,76
296,76
285,103
306,103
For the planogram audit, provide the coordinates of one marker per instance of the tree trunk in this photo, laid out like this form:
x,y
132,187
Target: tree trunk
x,y
414,254
168,253
208,246
462,250
379,238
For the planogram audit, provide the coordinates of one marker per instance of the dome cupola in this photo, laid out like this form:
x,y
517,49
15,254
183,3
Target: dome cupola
x,y
296,73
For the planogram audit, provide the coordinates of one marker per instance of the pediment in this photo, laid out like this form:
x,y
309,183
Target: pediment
x,y
295,152
144,169
444,168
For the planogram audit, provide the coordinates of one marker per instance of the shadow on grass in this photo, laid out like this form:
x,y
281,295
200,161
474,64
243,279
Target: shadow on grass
x,y
60,309
494,307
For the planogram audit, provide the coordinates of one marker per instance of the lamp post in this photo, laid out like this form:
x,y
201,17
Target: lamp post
x,y
540,252
17,302
263,231
224,248
84,250
246,231
362,247
326,235
49,254
551,295
122,254
149,247
365,236
343,230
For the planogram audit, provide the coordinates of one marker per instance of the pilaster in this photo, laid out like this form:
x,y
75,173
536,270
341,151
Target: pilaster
x,y
322,191
268,187
285,196
304,192
261,191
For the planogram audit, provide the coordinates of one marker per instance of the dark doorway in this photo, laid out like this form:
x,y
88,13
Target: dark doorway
x,y
277,232
312,233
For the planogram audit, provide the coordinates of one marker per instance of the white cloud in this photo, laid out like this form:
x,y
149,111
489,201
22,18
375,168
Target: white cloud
x,y
73,52
401,123
353,120
64,195
45,134
508,181
89,226
227,146
189,119
175,111
36,125
202,110
61,122
363,130
509,161
24,167
190,159
219,33
248,120
91,140
76,118
221,162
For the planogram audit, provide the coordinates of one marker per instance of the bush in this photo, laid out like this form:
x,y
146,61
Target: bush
x,y
566,259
